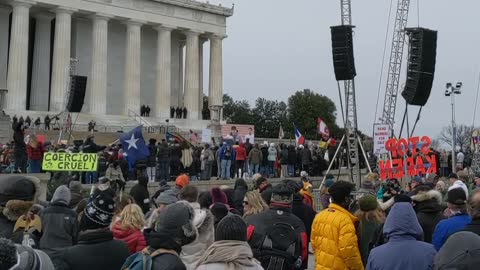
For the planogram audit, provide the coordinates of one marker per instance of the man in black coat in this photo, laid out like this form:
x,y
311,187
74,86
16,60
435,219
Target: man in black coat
x,y
96,249
280,212
59,223
427,206
140,194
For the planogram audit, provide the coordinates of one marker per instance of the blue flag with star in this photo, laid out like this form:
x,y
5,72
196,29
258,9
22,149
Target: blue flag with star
x,y
134,145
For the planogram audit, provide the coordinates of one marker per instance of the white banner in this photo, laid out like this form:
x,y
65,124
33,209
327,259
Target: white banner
x,y
381,133
206,135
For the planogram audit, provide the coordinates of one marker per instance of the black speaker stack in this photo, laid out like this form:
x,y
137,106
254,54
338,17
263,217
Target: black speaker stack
x,y
78,85
342,49
421,65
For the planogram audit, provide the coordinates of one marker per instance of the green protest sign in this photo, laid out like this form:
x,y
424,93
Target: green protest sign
x,y
76,162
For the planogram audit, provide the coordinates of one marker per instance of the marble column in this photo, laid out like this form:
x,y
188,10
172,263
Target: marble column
x,y
133,67
98,71
215,94
200,77
18,57
4,31
181,74
61,59
192,75
164,71
41,63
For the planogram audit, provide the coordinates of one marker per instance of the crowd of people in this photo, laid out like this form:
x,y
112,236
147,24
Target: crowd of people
x,y
167,160
429,223
178,112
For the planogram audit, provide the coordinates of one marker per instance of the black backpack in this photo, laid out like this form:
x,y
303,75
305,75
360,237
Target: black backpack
x,y
279,247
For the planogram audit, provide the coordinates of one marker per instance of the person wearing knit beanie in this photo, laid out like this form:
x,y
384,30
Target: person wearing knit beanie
x,y
99,213
62,195
96,247
368,203
166,198
230,251
218,196
59,223
231,227
371,219
182,180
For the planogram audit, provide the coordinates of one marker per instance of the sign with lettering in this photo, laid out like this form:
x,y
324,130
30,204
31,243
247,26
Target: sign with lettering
x,y
410,157
74,162
381,133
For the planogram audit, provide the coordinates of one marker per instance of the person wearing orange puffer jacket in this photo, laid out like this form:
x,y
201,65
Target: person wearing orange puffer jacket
x,y
129,228
334,237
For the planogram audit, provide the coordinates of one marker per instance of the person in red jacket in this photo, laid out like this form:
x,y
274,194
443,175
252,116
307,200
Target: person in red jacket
x,y
35,152
129,228
241,156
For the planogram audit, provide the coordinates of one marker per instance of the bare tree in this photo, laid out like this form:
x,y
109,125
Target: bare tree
x,y
464,135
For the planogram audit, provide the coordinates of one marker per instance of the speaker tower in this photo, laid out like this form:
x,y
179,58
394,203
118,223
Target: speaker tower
x,y
421,65
342,50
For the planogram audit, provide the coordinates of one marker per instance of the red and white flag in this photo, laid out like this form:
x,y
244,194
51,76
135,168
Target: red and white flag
x,y
322,127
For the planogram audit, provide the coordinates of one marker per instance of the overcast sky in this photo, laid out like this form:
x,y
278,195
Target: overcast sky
x,y
276,47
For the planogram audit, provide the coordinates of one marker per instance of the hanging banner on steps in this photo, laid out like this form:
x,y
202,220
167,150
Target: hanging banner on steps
x,y
73,162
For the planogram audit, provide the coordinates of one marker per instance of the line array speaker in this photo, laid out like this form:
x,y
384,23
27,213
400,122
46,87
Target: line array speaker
x,y
78,85
342,50
422,53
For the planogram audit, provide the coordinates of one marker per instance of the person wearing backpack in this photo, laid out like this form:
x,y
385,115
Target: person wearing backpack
x,y
173,229
96,248
277,237
334,237
227,154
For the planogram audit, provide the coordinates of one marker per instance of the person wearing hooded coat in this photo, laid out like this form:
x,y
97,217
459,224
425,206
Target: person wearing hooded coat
x,y
427,205
404,249
460,252
203,221
230,251
173,230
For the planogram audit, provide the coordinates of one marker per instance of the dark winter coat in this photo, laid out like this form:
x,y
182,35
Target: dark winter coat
x,y
429,212
141,196
264,150
152,160
91,147
96,250
255,156
292,155
284,156
474,226
260,223
266,193
404,249
305,213
163,152
240,189
306,156
59,227
367,235
6,226
461,251
166,261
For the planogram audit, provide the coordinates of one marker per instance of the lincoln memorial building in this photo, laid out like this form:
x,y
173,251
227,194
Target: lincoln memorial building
x,y
133,53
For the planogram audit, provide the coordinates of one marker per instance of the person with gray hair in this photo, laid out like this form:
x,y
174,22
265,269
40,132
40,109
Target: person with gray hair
x,y
474,210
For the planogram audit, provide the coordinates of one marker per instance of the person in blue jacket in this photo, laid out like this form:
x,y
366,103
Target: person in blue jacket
x,y
405,249
457,203
227,155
